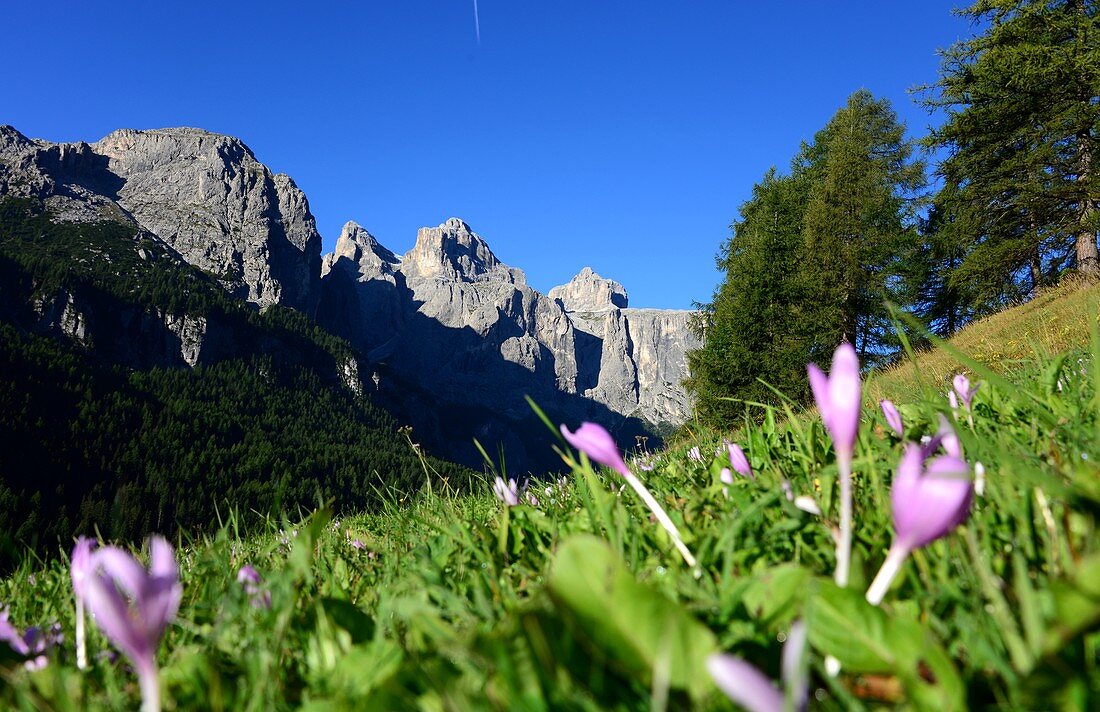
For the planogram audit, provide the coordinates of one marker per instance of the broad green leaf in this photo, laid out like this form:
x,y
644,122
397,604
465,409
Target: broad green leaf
x,y
636,627
776,594
865,639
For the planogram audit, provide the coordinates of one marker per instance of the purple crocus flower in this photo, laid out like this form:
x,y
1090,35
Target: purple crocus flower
x,y
595,442
694,455
252,582
739,462
747,687
838,400
506,492
133,606
79,569
962,387
725,476
33,644
928,502
893,417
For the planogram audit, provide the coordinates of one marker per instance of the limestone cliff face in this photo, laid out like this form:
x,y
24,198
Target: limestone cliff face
x,y
453,319
203,194
208,197
631,360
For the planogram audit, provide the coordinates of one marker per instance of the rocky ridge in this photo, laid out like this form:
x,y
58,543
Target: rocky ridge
x,y
450,338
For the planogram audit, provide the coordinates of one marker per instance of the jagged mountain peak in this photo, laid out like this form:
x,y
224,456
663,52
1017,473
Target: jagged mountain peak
x,y
454,251
360,251
589,292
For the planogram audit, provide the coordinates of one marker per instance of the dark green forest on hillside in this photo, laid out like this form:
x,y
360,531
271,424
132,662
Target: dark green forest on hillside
x,y
89,442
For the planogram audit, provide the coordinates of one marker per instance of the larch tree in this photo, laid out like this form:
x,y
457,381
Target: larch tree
x,y
1022,101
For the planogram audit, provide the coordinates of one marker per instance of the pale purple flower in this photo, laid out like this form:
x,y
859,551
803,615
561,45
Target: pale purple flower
x,y
79,569
928,502
358,544
133,606
838,397
838,400
946,438
32,644
725,476
530,498
694,455
962,387
751,689
893,417
252,582
595,442
739,462
744,684
953,400
506,492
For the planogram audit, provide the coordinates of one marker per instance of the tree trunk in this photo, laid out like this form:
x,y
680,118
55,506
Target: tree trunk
x,y
1088,262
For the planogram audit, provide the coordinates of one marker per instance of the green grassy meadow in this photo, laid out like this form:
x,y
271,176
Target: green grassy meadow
x,y
581,602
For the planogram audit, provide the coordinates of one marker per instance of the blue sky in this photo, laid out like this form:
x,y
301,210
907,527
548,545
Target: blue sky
x,y
619,135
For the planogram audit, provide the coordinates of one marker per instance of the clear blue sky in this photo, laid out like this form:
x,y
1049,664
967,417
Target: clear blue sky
x,y
620,135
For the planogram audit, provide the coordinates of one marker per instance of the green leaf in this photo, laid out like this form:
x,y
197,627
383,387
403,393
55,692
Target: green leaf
x,y
347,616
776,594
636,627
865,639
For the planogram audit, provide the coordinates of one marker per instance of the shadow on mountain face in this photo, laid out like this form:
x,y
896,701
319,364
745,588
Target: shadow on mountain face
x,y
477,393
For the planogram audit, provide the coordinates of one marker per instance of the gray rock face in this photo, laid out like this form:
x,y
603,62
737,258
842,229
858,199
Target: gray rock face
x,y
632,360
208,197
203,194
589,291
466,328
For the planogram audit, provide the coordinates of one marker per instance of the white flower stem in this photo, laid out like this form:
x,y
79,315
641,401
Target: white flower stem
x,y
659,512
150,688
81,652
886,575
844,541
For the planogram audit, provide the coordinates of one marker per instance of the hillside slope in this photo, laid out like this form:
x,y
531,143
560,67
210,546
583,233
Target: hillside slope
x,y
1053,322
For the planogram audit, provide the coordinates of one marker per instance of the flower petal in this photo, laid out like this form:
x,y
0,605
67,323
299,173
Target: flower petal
x,y
744,684
593,440
115,619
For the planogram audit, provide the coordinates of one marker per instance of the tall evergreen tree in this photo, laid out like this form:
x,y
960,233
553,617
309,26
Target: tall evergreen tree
x,y
748,329
811,262
1023,112
859,226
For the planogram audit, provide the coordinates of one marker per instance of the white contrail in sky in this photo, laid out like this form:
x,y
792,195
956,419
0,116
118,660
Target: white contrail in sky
x,y
477,23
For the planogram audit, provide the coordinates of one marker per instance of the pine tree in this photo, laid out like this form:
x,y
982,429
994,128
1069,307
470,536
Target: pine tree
x,y
748,328
811,262
1023,111
859,226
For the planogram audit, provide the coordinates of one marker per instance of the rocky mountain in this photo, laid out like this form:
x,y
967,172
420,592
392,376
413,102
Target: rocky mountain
x,y
448,337
204,195
452,319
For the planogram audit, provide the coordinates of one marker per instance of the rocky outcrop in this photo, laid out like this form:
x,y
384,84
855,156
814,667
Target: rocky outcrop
x,y
589,292
208,197
451,320
203,194
631,360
